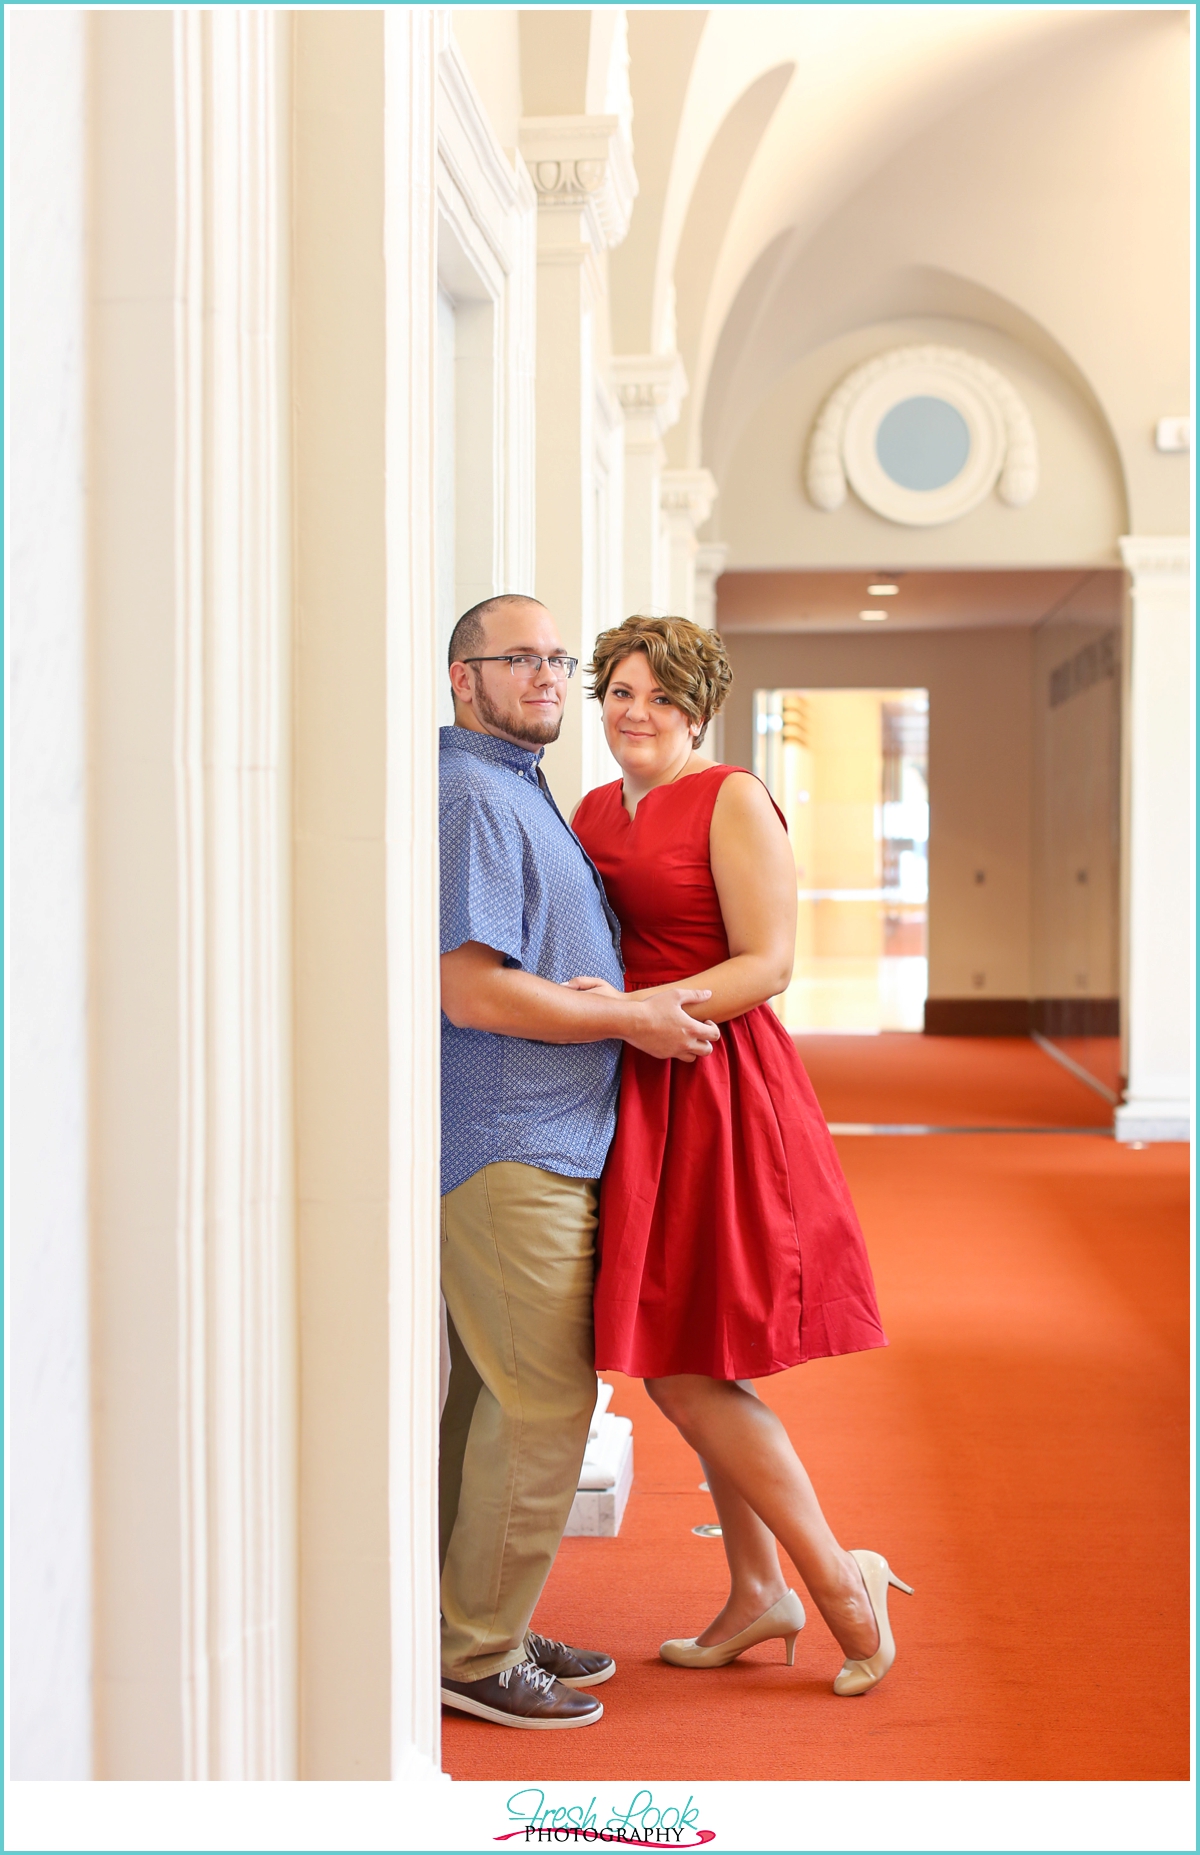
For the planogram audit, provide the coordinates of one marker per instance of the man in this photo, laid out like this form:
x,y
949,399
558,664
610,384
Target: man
x,y
529,1089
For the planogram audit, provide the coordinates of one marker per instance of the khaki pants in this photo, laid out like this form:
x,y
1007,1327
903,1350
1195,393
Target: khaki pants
x,y
518,1250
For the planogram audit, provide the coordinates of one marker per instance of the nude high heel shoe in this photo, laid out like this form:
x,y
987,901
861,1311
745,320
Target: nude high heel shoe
x,y
877,1575
785,1618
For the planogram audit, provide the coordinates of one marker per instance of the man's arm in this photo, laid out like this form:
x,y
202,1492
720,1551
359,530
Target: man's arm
x,y
480,993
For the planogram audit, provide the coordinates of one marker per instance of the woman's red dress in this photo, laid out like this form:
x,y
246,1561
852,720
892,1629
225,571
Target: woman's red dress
x,y
728,1244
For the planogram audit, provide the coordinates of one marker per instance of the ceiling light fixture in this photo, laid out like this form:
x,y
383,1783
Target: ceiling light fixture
x,y
873,618
882,591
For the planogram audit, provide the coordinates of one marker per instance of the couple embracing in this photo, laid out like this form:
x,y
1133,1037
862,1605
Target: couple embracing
x,y
635,1172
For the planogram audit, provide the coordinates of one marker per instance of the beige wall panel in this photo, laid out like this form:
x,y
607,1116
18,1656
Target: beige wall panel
x,y
489,38
1075,518
979,777
554,60
344,1664
1077,768
341,1074
341,995
133,928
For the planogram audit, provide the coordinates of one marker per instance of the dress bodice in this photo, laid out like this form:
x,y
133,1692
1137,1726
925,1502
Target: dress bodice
x,y
656,873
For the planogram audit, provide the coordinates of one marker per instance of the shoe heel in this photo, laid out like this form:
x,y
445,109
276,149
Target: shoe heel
x,y
789,1647
899,1582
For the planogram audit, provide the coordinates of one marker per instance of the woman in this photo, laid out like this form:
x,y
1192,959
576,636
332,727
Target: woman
x,y
728,1246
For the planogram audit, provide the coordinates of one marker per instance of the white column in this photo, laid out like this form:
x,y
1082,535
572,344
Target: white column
x,y
414,675
709,566
234,819
50,1647
650,389
583,174
687,500
1159,843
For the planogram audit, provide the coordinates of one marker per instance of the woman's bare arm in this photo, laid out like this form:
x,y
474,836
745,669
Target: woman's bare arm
x,y
755,875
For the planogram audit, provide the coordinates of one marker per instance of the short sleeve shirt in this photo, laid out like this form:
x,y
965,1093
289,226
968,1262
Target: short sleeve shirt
x,y
515,877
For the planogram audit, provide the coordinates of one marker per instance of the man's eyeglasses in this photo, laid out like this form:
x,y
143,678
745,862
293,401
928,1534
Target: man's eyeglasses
x,y
526,667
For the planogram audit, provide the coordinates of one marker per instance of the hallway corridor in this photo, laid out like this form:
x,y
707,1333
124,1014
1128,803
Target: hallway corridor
x,y
1019,1452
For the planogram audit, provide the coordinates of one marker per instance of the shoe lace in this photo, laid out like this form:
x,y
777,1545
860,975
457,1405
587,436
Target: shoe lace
x,y
540,1679
545,1642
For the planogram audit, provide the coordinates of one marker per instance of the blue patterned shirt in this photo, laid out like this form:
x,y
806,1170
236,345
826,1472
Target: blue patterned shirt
x,y
516,878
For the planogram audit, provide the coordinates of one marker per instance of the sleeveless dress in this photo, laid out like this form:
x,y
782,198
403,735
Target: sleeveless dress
x,y
727,1244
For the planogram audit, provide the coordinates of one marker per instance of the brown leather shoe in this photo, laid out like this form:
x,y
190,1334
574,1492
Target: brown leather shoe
x,y
575,1668
526,1696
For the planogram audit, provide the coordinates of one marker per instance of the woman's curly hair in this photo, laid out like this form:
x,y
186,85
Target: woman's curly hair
x,y
689,663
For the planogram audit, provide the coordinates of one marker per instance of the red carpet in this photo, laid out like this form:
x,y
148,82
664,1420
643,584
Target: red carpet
x,y
1020,1453
956,1081
1100,1056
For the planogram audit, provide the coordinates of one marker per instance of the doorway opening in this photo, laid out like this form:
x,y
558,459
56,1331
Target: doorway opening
x,y
849,769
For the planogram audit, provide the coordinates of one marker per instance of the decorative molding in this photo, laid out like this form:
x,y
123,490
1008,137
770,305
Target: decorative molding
x,y
487,257
1173,435
1154,1118
709,565
1159,557
711,557
410,256
472,160
1003,455
650,388
237,1303
688,495
582,164
686,498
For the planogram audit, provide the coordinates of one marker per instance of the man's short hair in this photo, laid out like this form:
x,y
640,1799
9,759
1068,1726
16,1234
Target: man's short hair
x,y
468,637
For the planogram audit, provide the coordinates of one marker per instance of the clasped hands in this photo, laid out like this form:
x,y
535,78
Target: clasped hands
x,y
660,1022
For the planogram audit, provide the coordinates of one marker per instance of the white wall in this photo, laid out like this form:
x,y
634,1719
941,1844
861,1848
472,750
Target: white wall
x,y
134,937
50,1589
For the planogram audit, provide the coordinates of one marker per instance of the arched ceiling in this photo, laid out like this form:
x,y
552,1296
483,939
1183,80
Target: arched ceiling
x,y
866,79
792,115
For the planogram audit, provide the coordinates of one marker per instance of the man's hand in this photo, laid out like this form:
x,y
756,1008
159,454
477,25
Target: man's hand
x,y
662,1027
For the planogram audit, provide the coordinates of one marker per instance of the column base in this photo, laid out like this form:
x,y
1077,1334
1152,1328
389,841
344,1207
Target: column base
x,y
1153,1118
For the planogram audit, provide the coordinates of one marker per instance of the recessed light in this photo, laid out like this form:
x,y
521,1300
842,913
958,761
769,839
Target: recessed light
x,y
873,618
883,591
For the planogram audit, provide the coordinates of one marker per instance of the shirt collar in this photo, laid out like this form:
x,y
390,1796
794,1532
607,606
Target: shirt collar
x,y
524,760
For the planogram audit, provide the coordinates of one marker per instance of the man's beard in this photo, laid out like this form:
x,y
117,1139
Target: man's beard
x,y
532,733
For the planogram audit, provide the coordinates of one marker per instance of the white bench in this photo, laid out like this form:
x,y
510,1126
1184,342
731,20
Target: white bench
x,y
606,1476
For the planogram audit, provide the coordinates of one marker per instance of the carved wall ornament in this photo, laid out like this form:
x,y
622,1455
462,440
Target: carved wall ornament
x,y
568,179
582,162
999,444
649,386
689,494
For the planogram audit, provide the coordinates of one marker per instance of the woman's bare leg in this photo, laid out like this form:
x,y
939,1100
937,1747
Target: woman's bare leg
x,y
755,1578
743,1441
